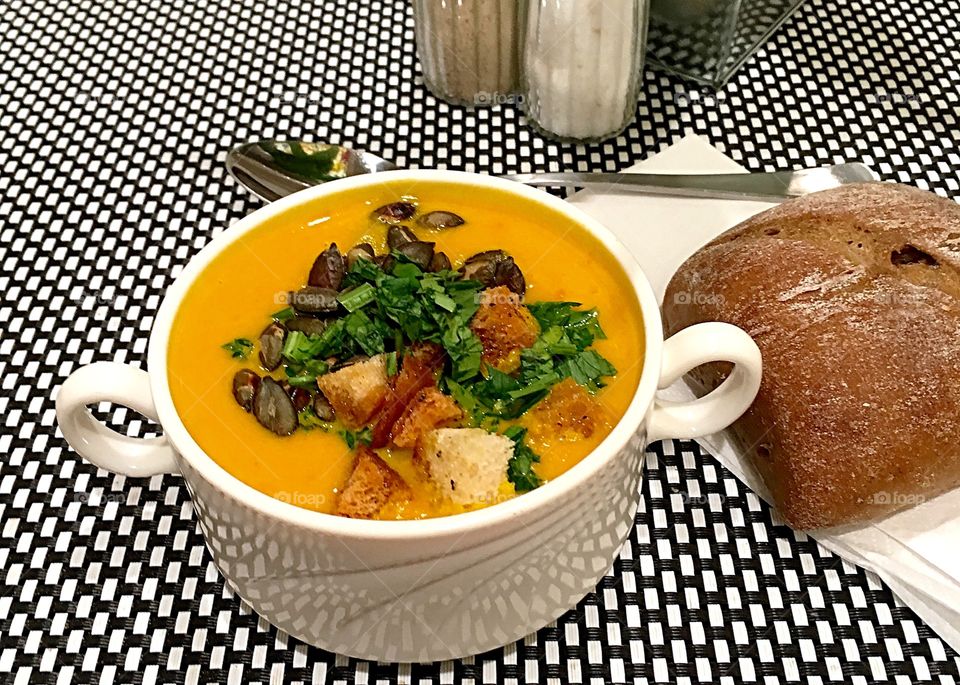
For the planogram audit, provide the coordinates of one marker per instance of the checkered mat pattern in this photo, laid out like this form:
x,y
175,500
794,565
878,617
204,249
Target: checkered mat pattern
x,y
115,116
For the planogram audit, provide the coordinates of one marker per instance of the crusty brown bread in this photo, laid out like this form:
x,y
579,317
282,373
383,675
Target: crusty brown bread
x,y
853,296
370,487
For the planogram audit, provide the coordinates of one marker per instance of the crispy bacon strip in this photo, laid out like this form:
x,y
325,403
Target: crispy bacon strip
x,y
417,371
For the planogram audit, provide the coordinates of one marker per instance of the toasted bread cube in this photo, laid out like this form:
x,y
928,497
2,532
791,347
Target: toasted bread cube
x,y
504,326
430,409
371,486
420,363
467,465
357,391
569,412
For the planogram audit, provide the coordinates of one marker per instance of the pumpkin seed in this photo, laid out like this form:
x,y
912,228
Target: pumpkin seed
x,y
361,251
509,274
271,344
328,269
322,407
307,324
245,385
274,409
440,262
440,219
493,268
418,252
313,300
395,212
399,235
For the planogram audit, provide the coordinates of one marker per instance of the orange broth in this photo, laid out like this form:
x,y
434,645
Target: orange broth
x,y
239,290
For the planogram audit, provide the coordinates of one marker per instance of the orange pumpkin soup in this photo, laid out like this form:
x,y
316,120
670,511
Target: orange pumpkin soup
x,y
442,371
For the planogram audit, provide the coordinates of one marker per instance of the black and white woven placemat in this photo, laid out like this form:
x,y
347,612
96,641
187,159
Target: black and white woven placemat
x,y
114,118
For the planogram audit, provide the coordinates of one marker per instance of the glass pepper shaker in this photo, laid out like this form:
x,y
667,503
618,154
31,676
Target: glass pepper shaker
x,y
582,61
469,49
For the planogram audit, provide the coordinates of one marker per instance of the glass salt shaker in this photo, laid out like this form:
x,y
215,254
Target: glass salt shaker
x,y
581,62
469,49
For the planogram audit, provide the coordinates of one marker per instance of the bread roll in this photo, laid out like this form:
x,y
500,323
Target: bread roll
x,y
853,296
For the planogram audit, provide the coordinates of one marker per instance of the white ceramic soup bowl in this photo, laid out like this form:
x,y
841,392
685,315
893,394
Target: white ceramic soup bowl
x,y
428,589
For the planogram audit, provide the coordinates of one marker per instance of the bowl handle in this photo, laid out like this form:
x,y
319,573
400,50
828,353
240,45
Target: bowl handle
x,y
688,349
102,446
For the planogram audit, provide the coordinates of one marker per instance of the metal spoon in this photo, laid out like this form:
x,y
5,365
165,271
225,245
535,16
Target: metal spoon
x,y
272,169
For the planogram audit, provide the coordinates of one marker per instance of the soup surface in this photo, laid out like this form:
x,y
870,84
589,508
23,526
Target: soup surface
x,y
236,295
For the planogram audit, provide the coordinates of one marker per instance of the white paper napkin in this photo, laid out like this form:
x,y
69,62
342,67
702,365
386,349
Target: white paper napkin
x,y
916,552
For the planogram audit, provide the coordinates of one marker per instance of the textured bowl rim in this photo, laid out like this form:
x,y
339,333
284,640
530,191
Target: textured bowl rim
x,y
530,505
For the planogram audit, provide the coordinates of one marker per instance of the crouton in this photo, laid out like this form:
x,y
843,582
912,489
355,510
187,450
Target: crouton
x,y
371,486
504,327
357,391
467,465
569,412
417,372
430,409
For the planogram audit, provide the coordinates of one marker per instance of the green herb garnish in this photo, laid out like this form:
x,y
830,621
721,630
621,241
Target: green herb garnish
x,y
304,374
488,400
308,420
465,350
284,314
298,346
581,326
391,364
587,368
407,305
363,436
561,350
520,467
240,348
358,297
366,333
467,401
363,271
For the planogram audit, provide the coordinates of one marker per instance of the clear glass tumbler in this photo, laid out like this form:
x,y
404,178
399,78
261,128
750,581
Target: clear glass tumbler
x,y
469,49
708,40
582,62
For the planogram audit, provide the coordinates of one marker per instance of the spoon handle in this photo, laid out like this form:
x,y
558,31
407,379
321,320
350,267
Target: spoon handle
x,y
275,168
760,186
